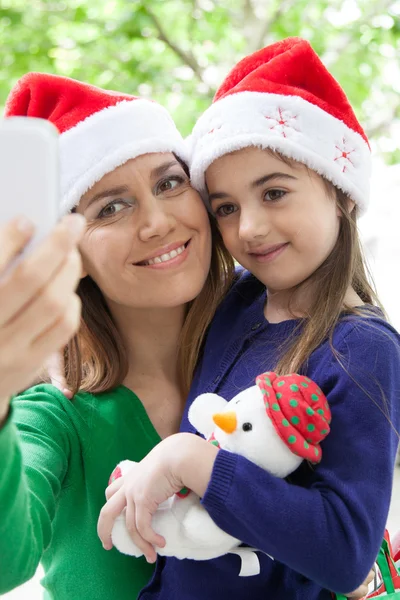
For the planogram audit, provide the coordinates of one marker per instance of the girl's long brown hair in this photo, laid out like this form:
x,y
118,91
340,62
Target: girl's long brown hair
x,y
345,267
96,360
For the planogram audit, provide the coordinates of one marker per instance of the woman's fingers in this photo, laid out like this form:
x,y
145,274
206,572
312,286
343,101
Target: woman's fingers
x,y
22,285
50,304
39,310
13,238
60,332
55,368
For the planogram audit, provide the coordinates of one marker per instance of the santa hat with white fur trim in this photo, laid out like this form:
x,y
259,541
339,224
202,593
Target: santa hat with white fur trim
x,y
283,98
100,129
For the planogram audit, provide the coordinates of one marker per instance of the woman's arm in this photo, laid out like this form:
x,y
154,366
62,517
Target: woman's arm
x,y
34,454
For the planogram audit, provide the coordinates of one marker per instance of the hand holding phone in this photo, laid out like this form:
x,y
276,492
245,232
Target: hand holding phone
x,y
39,309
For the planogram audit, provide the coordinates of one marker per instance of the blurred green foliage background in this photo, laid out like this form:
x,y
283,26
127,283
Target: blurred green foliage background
x,y
177,51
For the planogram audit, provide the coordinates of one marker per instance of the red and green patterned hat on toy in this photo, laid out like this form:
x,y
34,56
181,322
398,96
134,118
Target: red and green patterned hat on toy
x,y
299,411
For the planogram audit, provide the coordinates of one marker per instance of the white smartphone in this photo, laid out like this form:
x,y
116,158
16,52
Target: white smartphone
x,y
29,173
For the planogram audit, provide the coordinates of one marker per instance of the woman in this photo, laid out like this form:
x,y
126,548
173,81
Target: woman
x,y
147,255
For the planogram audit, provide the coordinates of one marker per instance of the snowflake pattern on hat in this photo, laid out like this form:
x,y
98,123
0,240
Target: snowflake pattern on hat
x,y
345,154
298,410
281,122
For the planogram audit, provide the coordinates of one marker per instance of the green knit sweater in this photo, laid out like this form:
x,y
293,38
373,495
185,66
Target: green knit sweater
x,y
56,456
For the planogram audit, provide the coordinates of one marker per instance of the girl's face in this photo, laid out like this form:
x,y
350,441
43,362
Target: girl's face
x,y
148,238
277,220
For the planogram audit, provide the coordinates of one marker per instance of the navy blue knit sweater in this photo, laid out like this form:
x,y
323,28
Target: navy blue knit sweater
x,y
324,527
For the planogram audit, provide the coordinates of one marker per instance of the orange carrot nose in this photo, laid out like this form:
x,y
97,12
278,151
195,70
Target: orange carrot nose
x,y
226,421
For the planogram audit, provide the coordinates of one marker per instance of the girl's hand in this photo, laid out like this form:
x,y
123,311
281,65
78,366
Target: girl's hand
x,y
362,591
182,460
39,310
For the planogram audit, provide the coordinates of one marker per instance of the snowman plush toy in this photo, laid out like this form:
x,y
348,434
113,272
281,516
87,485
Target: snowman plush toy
x,y
277,423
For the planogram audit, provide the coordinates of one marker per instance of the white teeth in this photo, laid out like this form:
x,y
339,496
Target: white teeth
x,y
165,257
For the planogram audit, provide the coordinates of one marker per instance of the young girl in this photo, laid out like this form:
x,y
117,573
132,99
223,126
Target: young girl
x,y
284,166
147,254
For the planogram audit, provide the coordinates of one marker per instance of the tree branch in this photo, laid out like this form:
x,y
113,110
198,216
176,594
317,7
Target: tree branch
x,y
186,57
266,26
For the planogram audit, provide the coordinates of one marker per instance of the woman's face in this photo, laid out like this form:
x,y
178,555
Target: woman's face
x,y
277,220
148,238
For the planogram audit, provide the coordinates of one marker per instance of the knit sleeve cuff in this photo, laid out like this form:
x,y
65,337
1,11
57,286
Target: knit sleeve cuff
x,y
218,489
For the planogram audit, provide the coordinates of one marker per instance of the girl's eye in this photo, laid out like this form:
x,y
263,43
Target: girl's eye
x,y
169,184
112,208
274,195
225,210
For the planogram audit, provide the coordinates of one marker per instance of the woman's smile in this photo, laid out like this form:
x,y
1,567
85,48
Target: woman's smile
x,y
172,255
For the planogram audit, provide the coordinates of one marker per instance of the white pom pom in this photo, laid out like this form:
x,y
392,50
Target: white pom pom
x,y
202,410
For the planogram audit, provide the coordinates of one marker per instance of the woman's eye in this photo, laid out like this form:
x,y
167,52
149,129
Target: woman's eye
x,y
112,208
169,184
274,195
225,210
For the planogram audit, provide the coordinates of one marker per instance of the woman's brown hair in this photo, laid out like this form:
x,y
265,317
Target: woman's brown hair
x,y
96,360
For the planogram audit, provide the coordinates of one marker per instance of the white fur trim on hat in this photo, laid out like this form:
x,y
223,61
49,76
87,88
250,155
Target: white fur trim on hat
x,y
290,125
108,139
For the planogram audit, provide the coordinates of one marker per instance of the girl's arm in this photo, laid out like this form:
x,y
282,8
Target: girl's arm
x,y
34,454
331,530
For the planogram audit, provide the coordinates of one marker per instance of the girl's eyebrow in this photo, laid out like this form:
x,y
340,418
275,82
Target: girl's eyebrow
x,y
217,196
258,182
255,184
121,189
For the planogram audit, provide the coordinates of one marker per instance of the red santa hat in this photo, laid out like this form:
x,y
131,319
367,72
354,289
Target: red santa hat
x,y
298,410
100,129
283,98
